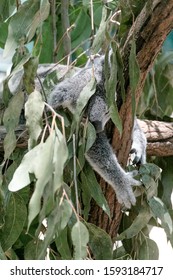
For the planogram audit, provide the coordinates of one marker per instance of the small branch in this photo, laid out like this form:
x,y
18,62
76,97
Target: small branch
x,y
65,27
54,29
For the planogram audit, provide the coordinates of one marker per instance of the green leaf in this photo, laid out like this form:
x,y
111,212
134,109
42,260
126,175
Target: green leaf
x,y
160,211
4,33
115,117
100,243
100,35
148,250
82,101
37,161
32,249
111,84
62,245
11,120
45,47
82,29
33,112
2,254
11,254
56,222
89,181
15,218
91,136
150,185
84,96
138,224
59,158
30,71
80,239
29,16
134,74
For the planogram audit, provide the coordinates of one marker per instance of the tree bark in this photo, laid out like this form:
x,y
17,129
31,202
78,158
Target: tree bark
x,y
150,30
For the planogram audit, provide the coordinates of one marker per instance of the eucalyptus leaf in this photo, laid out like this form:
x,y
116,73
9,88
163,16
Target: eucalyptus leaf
x,y
59,158
11,120
91,136
62,245
148,250
29,16
15,219
137,225
100,35
2,254
30,71
100,243
32,249
56,222
80,239
33,112
134,74
160,211
90,182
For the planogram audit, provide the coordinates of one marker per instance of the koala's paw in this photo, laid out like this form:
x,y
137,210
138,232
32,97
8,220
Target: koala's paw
x,y
125,193
137,156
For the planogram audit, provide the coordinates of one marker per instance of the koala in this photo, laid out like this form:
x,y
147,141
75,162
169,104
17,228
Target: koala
x,y
101,156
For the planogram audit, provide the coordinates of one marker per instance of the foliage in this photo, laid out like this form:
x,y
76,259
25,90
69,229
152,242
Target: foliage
x,y
47,189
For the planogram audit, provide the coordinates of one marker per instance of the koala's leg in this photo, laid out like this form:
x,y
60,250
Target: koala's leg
x,y
102,158
139,144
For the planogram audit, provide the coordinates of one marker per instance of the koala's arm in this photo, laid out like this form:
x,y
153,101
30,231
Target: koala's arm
x,y
102,158
139,144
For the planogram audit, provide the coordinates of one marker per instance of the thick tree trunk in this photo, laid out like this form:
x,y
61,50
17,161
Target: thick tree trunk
x,y
150,30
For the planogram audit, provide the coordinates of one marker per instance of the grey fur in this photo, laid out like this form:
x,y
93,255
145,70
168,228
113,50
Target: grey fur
x,y
101,156
139,144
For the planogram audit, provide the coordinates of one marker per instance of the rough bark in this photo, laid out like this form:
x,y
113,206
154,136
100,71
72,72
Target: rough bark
x,y
159,137
150,30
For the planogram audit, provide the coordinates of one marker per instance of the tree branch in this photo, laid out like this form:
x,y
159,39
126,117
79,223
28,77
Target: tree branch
x,y
159,137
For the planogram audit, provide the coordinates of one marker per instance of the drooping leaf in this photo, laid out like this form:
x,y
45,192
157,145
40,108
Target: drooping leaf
x,y
59,158
138,224
11,254
160,211
111,72
91,136
100,243
15,218
80,239
148,250
11,120
82,28
32,249
2,254
84,96
134,73
56,222
90,182
29,16
30,71
33,112
36,161
100,35
62,245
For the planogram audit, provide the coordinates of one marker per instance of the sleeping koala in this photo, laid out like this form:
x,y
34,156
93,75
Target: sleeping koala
x,y
101,156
